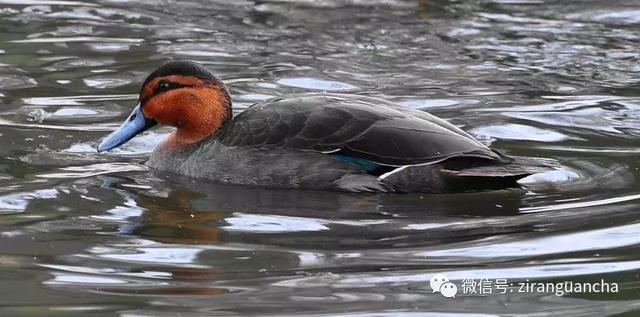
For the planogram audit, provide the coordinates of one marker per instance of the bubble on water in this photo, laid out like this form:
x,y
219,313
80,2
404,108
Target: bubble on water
x,y
76,63
519,132
40,115
16,82
156,255
106,82
17,202
74,112
75,100
141,144
255,97
618,16
267,85
316,84
457,32
553,176
110,47
93,170
37,115
272,223
434,103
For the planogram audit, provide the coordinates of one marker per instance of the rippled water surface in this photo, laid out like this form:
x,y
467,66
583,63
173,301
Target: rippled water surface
x,y
87,234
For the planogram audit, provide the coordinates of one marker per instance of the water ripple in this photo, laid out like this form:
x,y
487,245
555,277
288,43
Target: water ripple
x,y
90,233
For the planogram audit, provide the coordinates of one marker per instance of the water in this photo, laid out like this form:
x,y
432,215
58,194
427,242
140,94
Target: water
x,y
87,234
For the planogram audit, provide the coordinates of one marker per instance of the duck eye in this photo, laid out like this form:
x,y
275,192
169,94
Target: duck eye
x,y
163,86
167,85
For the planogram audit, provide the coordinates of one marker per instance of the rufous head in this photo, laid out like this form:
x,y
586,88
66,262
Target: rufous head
x,y
181,94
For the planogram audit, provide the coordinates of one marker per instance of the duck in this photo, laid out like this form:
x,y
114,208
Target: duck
x,y
317,141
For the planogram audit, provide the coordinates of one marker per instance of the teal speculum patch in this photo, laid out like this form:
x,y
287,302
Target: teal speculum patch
x,y
359,162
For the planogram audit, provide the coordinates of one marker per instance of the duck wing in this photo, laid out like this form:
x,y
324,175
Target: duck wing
x,y
355,126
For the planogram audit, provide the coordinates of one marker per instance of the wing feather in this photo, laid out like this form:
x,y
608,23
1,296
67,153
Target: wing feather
x,y
363,127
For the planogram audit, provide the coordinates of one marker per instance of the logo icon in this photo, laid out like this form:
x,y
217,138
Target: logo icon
x,y
448,290
440,284
437,281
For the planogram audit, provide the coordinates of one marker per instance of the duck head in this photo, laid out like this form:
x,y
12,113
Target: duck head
x,y
181,94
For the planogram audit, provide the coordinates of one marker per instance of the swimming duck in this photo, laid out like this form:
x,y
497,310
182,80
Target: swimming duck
x,y
323,141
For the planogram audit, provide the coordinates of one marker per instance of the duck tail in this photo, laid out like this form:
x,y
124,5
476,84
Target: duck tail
x,y
504,174
462,174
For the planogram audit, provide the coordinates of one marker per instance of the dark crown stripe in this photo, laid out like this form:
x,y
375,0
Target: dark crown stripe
x,y
184,68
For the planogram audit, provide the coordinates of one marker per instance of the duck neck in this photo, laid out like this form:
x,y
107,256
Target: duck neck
x,y
213,110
